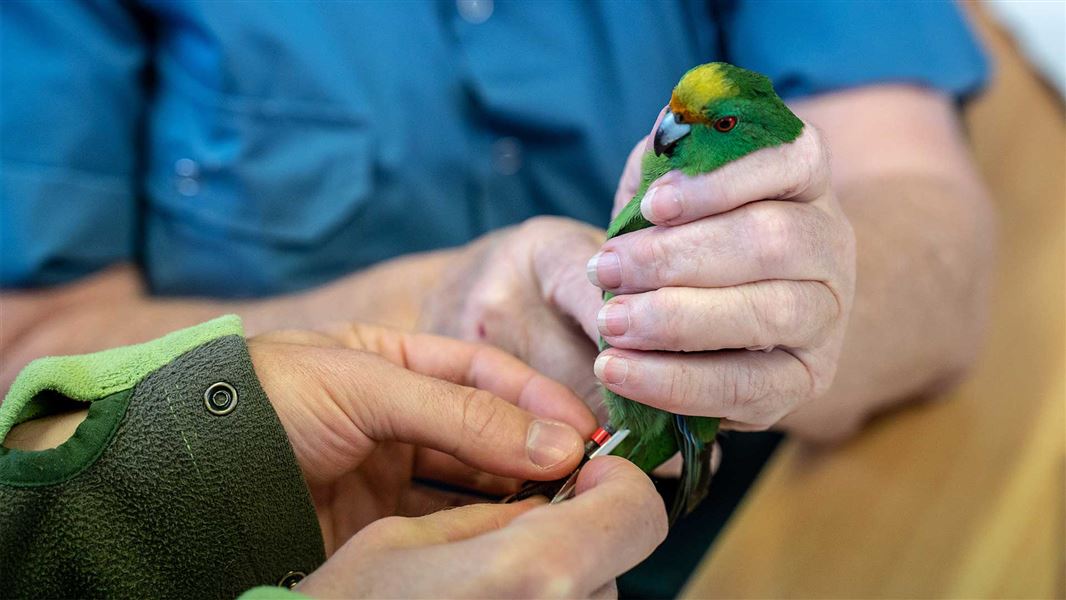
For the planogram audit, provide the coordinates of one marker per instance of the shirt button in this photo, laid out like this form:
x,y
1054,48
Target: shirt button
x,y
186,167
187,186
220,398
475,11
187,171
507,155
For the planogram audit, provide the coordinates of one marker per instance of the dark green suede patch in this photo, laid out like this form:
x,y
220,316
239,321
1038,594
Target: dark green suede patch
x,y
28,468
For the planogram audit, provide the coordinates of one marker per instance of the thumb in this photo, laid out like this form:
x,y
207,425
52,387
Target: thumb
x,y
369,566
629,182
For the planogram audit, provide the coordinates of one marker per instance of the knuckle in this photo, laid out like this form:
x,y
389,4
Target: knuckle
x,y
665,309
725,183
507,571
813,136
662,262
798,177
488,302
541,224
641,252
384,531
828,310
778,398
552,575
556,578
652,511
809,172
773,233
819,148
651,257
747,387
481,413
679,389
820,385
507,559
781,312
749,316
820,382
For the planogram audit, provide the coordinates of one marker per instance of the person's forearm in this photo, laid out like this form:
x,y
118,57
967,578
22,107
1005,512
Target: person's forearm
x,y
388,294
925,257
112,309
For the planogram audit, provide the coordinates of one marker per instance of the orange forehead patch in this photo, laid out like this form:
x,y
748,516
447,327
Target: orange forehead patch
x,y
684,114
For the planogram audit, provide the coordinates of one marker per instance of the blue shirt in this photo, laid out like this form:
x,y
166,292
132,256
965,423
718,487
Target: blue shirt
x,y
241,149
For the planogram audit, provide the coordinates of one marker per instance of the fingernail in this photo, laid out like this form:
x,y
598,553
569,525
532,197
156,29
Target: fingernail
x,y
604,270
613,319
549,443
611,369
661,203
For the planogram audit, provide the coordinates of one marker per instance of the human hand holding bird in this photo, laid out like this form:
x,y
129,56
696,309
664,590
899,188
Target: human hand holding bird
x,y
731,250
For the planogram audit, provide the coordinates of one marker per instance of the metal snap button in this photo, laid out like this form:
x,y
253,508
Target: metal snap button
x,y
220,398
291,579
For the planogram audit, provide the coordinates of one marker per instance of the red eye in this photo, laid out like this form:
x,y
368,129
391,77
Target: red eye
x,y
725,124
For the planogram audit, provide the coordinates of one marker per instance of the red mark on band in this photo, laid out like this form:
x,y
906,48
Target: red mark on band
x,y
600,436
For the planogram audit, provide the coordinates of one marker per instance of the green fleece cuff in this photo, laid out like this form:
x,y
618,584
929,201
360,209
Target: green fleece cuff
x,y
265,592
178,498
90,377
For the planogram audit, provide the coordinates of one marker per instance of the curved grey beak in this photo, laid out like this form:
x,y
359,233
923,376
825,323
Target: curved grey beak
x,y
669,132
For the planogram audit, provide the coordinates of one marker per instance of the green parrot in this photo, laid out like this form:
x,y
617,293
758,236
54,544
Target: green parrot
x,y
717,114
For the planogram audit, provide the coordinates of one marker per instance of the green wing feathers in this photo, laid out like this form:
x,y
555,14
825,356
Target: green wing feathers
x,y
630,219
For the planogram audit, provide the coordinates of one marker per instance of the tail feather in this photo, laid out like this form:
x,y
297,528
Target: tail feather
x,y
695,470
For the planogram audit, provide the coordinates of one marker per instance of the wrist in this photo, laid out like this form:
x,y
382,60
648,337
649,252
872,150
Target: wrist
x,y
389,294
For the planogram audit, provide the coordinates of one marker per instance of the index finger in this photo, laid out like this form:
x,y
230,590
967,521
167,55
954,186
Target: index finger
x,y
796,171
493,370
472,365
389,403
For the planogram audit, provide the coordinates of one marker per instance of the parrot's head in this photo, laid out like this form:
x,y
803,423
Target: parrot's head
x,y
717,114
